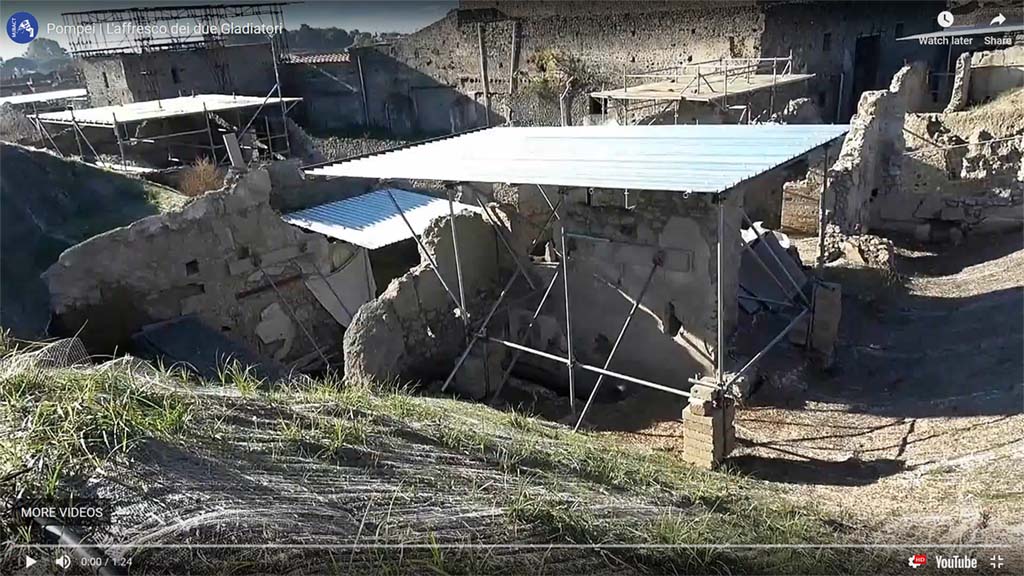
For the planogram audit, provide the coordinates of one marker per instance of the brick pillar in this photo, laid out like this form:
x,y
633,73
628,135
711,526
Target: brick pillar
x,y
708,431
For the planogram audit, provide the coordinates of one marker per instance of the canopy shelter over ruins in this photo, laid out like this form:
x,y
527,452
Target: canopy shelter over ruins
x,y
701,166
196,122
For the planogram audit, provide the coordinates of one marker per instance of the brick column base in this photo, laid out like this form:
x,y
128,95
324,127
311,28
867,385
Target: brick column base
x,y
709,434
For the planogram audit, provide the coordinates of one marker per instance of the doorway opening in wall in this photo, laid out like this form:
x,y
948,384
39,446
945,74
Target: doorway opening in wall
x,y
391,261
866,57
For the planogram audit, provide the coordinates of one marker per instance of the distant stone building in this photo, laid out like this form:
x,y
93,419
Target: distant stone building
x,y
850,47
122,78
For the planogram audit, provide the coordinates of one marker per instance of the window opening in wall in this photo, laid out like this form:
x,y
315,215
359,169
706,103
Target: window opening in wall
x,y
174,75
821,99
106,81
192,267
898,30
595,105
826,42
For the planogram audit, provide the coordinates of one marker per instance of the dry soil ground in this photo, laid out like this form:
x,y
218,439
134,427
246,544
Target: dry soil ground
x,y
918,431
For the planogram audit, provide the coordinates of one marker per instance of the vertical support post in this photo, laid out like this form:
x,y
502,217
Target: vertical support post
x,y
270,139
458,263
426,253
280,100
74,129
362,90
720,352
209,134
821,212
35,116
568,315
483,72
120,142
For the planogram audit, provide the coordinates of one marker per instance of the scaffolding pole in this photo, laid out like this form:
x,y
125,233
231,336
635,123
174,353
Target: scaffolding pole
x,y
720,352
821,213
284,111
120,142
209,133
455,250
526,337
568,318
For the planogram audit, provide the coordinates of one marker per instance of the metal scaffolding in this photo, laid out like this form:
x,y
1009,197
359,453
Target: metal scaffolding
x,y
126,127
142,30
479,332
712,81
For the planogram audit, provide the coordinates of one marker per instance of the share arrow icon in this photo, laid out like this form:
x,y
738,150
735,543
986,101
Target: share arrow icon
x,y
998,20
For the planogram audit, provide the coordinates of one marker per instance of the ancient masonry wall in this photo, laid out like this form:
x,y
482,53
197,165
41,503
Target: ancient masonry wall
x,y
216,258
601,41
244,70
674,334
869,162
411,331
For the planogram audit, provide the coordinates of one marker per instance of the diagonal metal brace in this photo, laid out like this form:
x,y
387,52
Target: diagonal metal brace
x,y
618,340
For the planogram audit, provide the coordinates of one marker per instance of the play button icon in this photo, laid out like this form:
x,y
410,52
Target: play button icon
x,y
29,561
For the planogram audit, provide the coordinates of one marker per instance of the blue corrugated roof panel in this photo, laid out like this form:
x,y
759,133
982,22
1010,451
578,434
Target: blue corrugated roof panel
x,y
371,220
689,158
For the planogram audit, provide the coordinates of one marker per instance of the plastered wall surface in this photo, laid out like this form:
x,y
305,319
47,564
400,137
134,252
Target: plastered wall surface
x,y
215,258
675,330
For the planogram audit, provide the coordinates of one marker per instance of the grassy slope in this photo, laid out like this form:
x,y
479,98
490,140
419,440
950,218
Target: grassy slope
x,y
368,464
47,204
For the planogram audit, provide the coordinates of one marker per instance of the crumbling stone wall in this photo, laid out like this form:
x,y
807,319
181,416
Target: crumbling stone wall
x,y
869,161
981,76
411,331
215,258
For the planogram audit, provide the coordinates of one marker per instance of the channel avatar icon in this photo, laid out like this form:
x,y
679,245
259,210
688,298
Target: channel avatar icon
x,y
917,560
22,27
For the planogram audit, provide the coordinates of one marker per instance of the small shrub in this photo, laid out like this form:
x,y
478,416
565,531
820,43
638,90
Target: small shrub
x,y
201,177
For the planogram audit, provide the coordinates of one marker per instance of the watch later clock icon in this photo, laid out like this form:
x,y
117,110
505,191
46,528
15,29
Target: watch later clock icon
x,y
945,18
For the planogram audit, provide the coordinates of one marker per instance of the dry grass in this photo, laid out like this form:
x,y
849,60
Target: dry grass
x,y
201,177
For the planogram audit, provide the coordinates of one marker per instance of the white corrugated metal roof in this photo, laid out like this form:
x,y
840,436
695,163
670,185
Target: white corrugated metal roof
x,y
43,96
691,158
371,220
153,109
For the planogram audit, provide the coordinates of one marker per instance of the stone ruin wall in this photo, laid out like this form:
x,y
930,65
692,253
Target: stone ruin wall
x,y
603,38
206,260
411,331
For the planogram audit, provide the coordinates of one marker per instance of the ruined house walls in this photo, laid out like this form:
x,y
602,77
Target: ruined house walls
x,y
600,41
824,37
205,260
674,334
122,78
332,98
981,76
870,160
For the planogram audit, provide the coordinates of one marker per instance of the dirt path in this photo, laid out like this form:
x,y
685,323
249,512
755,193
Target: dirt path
x,y
919,429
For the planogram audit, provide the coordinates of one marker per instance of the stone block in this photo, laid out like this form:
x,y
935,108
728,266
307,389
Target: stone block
x,y
828,302
700,407
280,255
703,392
239,267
